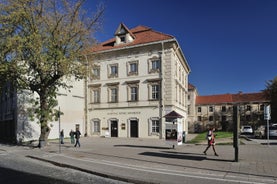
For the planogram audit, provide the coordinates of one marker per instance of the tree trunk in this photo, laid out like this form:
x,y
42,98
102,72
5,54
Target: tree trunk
x,y
45,129
43,138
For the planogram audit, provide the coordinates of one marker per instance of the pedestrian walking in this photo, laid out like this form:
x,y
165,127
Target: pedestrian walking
x,y
77,137
72,139
62,136
211,141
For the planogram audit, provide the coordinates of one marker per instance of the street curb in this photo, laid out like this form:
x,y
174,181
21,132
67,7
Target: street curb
x,y
129,180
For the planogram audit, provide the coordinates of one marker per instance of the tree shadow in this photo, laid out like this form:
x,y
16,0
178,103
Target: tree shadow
x,y
174,156
187,156
143,146
8,176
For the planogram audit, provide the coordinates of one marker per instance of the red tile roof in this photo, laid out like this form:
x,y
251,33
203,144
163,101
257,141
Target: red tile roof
x,y
173,114
214,99
249,97
231,98
191,87
142,35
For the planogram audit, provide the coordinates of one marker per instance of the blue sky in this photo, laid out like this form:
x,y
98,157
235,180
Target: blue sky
x,y
230,45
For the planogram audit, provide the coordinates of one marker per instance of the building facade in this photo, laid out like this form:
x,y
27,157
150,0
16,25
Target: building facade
x,y
16,125
217,110
192,95
138,77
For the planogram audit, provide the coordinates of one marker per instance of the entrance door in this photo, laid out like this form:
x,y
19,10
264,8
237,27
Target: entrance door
x,y
114,129
134,128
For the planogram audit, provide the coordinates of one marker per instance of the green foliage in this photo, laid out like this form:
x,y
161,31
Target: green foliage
x,y
219,134
271,92
41,46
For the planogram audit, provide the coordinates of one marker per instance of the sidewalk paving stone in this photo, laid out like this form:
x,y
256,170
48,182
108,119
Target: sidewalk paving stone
x,y
256,161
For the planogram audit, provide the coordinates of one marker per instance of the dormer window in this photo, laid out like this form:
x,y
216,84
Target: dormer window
x,y
123,39
123,35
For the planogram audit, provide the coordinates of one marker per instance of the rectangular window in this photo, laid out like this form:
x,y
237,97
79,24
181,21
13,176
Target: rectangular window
x,y
189,110
113,70
113,95
155,92
122,39
248,108
155,64
134,93
96,126
96,96
155,126
199,109
261,107
211,109
211,118
96,73
199,118
223,108
133,67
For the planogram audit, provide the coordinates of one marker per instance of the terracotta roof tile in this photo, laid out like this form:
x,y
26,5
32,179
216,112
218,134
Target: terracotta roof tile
x,y
249,97
214,99
231,98
191,87
142,35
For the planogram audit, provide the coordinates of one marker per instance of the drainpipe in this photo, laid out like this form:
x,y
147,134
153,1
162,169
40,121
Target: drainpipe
x,y
162,126
86,97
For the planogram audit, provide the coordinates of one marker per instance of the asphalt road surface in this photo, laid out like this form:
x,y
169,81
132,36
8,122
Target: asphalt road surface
x,y
16,168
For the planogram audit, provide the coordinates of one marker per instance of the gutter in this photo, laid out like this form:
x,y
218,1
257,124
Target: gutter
x,y
134,46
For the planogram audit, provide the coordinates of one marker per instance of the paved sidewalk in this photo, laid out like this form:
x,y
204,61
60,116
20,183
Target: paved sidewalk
x,y
109,157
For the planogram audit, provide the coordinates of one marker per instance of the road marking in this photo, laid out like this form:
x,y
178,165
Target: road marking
x,y
206,176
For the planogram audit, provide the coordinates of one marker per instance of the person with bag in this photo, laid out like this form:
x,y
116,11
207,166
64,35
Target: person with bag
x,y
71,134
211,141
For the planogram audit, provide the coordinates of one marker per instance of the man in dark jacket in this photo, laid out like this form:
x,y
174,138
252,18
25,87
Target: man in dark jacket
x,y
77,137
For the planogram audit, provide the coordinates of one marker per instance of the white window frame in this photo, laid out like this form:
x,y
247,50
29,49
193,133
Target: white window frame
x,y
153,121
155,91
95,126
93,94
96,72
154,65
130,68
133,94
113,71
113,97
96,95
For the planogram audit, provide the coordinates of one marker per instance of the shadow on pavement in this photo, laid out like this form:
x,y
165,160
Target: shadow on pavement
x,y
270,143
200,155
142,146
12,176
175,156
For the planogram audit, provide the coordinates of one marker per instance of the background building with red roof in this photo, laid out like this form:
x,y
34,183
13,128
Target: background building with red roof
x,y
217,110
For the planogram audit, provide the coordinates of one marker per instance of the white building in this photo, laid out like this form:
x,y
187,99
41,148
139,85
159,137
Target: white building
x,y
17,126
139,76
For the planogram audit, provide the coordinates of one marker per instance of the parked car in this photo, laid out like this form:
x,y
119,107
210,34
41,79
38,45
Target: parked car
x,y
260,132
246,129
272,131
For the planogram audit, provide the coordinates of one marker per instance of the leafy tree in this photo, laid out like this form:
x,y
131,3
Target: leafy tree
x,y
41,45
271,92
